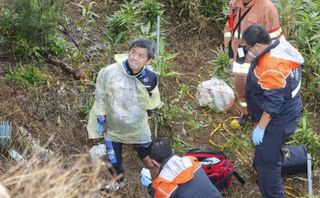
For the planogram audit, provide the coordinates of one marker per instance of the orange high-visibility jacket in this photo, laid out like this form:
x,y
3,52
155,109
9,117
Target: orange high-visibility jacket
x,y
182,177
176,171
262,12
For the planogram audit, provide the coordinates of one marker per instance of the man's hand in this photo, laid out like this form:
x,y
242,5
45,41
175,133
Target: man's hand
x,y
145,181
257,135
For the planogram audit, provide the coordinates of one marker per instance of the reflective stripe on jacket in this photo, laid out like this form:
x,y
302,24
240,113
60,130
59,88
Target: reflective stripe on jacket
x,y
178,170
274,81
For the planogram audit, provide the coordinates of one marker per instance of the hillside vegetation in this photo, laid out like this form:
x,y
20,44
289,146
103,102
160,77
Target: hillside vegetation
x,y
52,50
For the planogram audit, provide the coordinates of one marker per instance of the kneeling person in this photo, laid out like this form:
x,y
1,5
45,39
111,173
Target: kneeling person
x,y
178,176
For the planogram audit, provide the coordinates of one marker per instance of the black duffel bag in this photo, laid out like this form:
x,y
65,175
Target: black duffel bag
x,y
294,160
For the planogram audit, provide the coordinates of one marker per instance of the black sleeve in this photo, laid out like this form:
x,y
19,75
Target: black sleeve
x,y
149,79
149,112
151,191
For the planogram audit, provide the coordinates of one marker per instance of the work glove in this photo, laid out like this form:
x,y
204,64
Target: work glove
x,y
257,135
145,181
100,125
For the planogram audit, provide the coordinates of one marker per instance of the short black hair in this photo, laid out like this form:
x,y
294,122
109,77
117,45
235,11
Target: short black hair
x,y
143,43
160,150
256,34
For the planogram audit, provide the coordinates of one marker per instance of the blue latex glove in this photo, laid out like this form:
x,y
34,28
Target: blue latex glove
x,y
101,119
100,125
257,135
100,128
145,181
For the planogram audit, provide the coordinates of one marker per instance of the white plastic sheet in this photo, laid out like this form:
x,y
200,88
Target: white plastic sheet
x,y
97,152
216,94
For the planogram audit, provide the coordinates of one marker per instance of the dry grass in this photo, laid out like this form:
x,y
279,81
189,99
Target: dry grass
x,y
74,176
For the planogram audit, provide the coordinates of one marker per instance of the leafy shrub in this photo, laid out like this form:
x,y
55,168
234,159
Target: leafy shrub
x,y
30,27
179,145
221,65
6,24
200,10
164,61
88,18
148,10
26,75
84,109
306,135
301,21
147,31
121,23
133,19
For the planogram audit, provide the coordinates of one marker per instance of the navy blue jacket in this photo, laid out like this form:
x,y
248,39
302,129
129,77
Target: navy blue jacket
x,y
273,83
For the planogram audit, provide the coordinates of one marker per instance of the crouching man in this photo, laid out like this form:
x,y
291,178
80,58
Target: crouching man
x,y
178,176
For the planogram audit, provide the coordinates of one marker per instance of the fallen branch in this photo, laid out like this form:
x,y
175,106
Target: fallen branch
x,y
76,73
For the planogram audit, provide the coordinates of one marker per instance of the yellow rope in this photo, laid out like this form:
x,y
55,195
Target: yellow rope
x,y
224,126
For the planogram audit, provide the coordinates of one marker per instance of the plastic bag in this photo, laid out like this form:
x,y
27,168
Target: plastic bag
x,y
97,152
146,172
216,94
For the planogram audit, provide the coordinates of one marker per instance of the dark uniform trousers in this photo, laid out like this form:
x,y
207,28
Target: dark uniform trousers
x,y
268,158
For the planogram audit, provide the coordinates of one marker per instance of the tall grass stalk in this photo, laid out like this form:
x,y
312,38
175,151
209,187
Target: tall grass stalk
x,y
60,177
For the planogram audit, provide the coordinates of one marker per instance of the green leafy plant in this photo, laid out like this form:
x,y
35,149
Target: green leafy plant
x,y
204,13
180,146
148,10
301,20
221,65
30,26
26,76
195,125
171,111
88,18
84,109
147,31
164,61
132,20
121,23
305,134
37,20
57,45
6,24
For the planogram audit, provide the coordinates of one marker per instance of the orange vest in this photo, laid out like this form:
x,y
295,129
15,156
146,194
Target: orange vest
x,y
166,182
262,12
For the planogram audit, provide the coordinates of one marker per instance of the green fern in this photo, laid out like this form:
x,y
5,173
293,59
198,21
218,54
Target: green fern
x,y
221,65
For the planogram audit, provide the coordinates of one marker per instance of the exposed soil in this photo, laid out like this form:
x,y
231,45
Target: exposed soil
x,y
52,110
